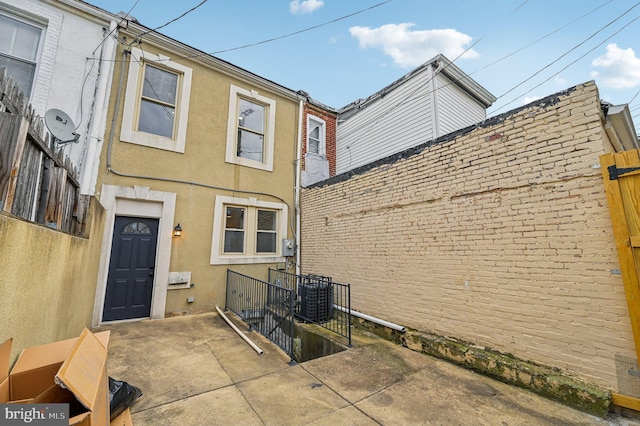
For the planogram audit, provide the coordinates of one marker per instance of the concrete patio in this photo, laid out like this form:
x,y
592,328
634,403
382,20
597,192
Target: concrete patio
x,y
195,370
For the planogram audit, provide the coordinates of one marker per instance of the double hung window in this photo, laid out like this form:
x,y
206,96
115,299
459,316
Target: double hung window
x,y
156,107
250,129
19,46
316,135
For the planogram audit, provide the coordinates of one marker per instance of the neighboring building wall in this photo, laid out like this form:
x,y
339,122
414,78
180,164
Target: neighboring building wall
x,y
70,74
388,124
48,280
499,235
433,100
455,108
330,118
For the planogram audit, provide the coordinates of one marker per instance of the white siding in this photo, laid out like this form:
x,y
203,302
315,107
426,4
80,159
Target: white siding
x,y
456,108
67,79
399,120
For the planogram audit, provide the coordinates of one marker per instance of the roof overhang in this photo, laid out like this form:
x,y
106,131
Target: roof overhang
x,y
619,126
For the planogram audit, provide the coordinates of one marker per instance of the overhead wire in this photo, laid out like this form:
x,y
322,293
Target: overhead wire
x,y
114,28
376,119
568,51
573,62
491,64
173,20
332,21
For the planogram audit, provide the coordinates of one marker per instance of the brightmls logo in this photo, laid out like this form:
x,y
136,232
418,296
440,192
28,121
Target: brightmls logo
x,y
34,414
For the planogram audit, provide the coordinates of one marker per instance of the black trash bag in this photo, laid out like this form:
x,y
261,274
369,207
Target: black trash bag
x,y
122,395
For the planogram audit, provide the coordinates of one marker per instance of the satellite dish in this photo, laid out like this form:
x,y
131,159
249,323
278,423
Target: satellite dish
x,y
61,126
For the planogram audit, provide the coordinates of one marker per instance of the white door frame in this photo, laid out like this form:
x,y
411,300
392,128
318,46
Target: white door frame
x,y
137,201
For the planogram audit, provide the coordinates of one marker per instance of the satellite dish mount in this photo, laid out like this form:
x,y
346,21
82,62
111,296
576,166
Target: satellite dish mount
x,y
61,127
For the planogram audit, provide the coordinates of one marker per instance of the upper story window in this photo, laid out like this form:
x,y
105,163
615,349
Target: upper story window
x,y
156,108
250,129
158,101
19,45
316,135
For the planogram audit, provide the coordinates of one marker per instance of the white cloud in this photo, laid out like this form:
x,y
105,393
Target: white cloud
x,y
560,81
620,68
307,6
529,99
410,48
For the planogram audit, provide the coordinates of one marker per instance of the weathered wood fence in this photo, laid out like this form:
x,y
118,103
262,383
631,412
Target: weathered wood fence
x,y
36,183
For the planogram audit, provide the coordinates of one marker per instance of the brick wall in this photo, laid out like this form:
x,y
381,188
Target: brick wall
x,y
331,122
498,235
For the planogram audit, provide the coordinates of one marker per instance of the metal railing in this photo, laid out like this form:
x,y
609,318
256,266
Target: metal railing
x,y
267,308
318,300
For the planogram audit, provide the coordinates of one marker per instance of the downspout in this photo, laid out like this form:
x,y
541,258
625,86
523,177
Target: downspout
x,y
116,109
98,122
298,178
435,122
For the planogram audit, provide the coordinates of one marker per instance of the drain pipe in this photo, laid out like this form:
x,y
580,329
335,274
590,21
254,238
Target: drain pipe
x,y
379,321
241,334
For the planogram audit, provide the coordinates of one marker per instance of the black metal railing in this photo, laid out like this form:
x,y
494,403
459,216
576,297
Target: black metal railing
x,y
267,308
319,300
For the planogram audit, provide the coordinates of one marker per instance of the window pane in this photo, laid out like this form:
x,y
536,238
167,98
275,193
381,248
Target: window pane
x,y
314,146
156,119
233,241
22,73
266,242
266,220
18,38
159,84
251,116
26,43
250,145
235,218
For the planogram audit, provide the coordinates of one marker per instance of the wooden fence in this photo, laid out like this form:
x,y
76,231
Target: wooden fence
x,y
36,182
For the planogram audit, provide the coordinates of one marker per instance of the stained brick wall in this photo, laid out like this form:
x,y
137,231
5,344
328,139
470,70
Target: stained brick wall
x,y
331,122
498,235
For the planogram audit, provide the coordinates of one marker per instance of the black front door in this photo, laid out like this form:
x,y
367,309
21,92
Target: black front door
x,y
133,258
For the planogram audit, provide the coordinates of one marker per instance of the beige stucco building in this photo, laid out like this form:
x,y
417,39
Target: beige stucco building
x,y
201,144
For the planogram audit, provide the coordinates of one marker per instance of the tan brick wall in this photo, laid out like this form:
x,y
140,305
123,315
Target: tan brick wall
x,y
500,236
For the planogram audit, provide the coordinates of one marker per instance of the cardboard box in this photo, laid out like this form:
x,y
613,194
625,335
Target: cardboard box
x,y
124,419
72,371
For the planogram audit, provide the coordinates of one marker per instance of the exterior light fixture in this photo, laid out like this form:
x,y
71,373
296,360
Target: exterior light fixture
x,y
177,231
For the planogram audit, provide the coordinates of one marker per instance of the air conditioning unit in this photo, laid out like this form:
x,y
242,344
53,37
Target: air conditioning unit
x,y
316,300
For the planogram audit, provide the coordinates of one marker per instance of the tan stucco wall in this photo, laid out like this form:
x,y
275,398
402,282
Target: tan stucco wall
x,y
47,283
203,163
500,237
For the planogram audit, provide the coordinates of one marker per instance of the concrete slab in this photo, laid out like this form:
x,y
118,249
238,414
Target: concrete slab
x,y
195,370
220,407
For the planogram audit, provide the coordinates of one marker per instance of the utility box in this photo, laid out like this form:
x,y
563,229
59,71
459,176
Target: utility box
x,y
288,247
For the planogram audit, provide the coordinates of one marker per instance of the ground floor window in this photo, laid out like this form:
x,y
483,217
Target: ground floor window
x,y
247,230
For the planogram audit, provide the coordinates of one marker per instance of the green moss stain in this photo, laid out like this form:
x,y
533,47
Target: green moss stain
x,y
505,367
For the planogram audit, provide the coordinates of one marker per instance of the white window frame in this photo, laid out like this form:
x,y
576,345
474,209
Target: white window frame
x,y
252,205
322,148
130,114
232,129
42,25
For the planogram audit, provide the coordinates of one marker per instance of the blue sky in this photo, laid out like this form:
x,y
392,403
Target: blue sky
x,y
552,45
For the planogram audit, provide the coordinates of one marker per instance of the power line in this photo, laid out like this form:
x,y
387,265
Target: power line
x,y
573,62
567,52
487,66
376,119
341,18
173,20
114,28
